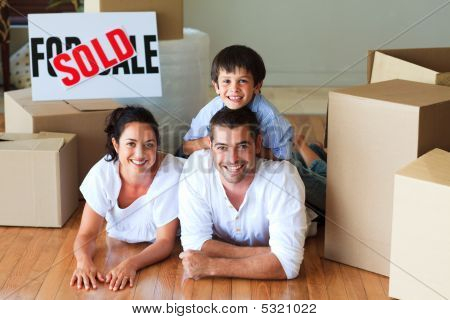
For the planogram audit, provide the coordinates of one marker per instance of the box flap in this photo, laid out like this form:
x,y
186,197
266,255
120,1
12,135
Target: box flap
x,y
94,104
433,166
66,136
53,144
17,136
386,67
400,91
432,58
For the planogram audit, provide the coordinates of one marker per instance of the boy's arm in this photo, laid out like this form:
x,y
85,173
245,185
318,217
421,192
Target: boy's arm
x,y
266,153
194,145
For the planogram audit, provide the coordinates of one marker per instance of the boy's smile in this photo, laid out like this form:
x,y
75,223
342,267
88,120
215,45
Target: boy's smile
x,y
237,88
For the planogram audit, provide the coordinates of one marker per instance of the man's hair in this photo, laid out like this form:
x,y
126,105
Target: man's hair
x,y
239,56
231,119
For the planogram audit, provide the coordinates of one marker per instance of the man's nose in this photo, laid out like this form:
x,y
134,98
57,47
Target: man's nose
x,y
233,155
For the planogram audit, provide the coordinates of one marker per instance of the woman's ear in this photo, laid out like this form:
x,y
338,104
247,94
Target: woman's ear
x,y
115,145
216,86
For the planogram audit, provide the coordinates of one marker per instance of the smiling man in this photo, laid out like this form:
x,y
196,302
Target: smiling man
x,y
241,216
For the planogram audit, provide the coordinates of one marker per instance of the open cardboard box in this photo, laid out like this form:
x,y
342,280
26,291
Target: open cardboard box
x,y
39,179
169,13
427,65
374,130
85,118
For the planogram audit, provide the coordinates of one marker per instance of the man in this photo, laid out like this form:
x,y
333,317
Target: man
x,y
241,216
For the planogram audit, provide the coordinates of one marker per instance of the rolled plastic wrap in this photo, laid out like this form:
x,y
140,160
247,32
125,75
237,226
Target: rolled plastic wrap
x,y
185,78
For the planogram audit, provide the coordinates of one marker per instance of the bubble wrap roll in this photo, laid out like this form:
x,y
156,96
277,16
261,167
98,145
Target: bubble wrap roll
x,y
185,77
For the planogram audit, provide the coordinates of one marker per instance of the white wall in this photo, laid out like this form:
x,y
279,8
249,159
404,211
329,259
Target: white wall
x,y
307,42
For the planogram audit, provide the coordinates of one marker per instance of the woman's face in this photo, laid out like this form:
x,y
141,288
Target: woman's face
x,y
136,148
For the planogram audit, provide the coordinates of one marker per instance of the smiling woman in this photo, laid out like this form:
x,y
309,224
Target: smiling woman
x,y
121,189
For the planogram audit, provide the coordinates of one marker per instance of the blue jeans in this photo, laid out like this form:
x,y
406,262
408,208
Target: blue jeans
x,y
314,178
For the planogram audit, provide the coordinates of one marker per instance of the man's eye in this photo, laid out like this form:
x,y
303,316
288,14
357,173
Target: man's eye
x,y
221,148
243,146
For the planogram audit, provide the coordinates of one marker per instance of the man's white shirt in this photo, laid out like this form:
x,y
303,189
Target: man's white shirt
x,y
272,213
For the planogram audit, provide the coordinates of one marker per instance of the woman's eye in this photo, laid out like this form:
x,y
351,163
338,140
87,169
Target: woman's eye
x,y
131,144
149,145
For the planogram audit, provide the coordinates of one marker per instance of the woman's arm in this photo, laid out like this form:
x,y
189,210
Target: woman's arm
x,y
84,249
125,272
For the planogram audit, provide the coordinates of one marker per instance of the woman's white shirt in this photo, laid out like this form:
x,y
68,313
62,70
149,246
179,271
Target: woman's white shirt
x,y
140,220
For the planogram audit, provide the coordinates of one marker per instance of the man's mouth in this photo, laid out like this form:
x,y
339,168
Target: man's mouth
x,y
234,167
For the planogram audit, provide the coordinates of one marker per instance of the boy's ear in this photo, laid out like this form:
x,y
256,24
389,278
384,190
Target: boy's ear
x,y
257,88
216,86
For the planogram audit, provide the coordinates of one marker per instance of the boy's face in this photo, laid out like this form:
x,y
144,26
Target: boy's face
x,y
236,89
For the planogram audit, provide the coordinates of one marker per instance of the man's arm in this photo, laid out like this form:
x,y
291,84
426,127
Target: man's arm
x,y
219,249
264,266
191,146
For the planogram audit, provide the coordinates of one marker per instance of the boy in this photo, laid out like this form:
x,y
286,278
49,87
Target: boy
x,y
237,74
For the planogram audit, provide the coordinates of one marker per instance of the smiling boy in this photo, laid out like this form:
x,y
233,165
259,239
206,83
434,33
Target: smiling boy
x,y
237,75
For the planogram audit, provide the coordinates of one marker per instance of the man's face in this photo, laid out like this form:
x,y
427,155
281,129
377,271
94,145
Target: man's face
x,y
237,88
234,153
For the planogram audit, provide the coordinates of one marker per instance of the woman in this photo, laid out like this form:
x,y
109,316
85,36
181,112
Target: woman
x,y
135,188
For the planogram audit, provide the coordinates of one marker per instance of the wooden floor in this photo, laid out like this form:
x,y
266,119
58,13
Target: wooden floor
x,y
37,263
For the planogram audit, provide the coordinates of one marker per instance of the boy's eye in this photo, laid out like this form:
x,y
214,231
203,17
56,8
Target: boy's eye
x,y
226,81
243,81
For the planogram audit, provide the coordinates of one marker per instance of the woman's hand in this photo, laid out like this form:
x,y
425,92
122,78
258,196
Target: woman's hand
x,y
86,274
122,274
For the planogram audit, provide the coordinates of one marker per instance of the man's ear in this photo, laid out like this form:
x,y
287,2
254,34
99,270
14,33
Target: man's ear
x,y
216,86
210,141
258,143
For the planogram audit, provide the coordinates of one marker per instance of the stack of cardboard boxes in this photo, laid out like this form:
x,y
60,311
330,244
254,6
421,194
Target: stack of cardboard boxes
x,y
41,169
373,131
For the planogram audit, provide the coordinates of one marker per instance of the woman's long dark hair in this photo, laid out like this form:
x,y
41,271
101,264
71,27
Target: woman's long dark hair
x,y
116,121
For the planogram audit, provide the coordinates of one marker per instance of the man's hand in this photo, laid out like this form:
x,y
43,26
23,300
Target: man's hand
x,y
196,264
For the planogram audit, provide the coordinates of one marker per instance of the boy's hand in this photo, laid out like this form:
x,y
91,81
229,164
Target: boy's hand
x,y
197,144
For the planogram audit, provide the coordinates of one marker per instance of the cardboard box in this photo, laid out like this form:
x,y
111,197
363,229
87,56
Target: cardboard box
x,y
24,115
169,13
420,254
39,184
427,65
374,130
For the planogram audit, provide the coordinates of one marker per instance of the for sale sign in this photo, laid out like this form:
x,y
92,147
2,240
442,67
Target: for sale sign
x,y
94,55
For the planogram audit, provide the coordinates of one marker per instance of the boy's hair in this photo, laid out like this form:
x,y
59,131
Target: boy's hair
x,y
233,118
239,56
